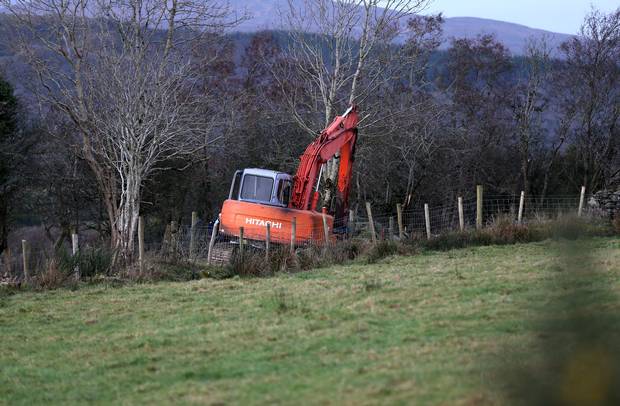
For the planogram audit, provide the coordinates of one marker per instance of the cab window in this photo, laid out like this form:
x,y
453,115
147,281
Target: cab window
x,y
284,191
257,188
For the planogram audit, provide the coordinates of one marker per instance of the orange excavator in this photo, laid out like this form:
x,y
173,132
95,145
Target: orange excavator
x,y
259,197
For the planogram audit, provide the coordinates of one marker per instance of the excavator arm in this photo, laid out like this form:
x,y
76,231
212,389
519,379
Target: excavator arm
x,y
339,137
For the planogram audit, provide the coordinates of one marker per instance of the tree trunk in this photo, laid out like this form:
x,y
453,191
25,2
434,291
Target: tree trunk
x,y
525,175
128,209
4,225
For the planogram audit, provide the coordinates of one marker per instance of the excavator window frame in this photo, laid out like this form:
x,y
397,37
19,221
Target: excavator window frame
x,y
283,193
235,187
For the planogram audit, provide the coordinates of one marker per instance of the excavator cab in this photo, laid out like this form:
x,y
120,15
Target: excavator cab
x,y
262,186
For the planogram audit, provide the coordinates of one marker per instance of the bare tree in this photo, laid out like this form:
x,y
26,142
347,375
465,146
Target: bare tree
x,y
477,81
530,101
332,50
400,142
590,79
113,67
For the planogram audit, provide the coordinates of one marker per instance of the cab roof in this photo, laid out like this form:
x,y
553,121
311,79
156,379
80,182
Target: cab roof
x,y
264,172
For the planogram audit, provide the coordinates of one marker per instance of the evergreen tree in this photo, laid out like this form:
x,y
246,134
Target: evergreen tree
x,y
8,176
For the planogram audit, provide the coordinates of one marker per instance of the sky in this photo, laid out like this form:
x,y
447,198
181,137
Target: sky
x,y
564,16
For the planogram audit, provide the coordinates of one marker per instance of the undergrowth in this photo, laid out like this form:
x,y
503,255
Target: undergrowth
x,y
95,264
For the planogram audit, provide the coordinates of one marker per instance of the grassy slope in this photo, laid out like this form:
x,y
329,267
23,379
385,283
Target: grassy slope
x,y
430,327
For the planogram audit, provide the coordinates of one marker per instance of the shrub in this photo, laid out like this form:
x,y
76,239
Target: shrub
x,y
164,271
344,251
252,263
91,261
504,231
54,276
380,250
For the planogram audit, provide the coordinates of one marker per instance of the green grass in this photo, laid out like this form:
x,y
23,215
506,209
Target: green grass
x,y
437,328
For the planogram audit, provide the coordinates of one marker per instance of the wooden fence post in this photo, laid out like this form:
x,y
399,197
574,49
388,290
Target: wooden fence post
x,y
174,238
167,241
25,262
521,204
371,223
461,215
351,222
479,195
427,219
399,218
141,243
214,231
267,241
293,234
325,229
581,200
391,227
75,248
192,235
241,243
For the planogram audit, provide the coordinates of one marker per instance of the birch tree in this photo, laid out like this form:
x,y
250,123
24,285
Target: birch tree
x,y
116,69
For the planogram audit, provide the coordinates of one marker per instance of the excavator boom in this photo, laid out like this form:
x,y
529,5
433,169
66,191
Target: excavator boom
x,y
338,138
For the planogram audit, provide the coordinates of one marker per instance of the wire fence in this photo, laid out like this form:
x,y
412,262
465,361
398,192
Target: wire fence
x,y
204,244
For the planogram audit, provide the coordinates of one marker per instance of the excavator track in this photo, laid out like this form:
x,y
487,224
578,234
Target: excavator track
x,y
222,253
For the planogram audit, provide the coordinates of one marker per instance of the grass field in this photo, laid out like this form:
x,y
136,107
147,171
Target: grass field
x,y
436,328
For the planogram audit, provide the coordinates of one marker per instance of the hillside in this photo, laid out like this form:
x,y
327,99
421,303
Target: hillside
x,y
436,328
266,15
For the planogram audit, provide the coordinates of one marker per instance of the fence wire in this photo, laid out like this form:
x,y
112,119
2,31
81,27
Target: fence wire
x,y
186,243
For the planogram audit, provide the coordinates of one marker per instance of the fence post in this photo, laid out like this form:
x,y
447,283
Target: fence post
x,y
174,238
581,199
141,243
479,194
167,241
427,219
391,227
521,204
461,216
25,261
241,243
214,231
75,248
325,229
192,235
267,241
371,223
293,234
399,218
351,223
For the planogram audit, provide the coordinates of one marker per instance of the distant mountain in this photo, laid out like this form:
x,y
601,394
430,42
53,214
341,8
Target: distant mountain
x,y
514,36
266,15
